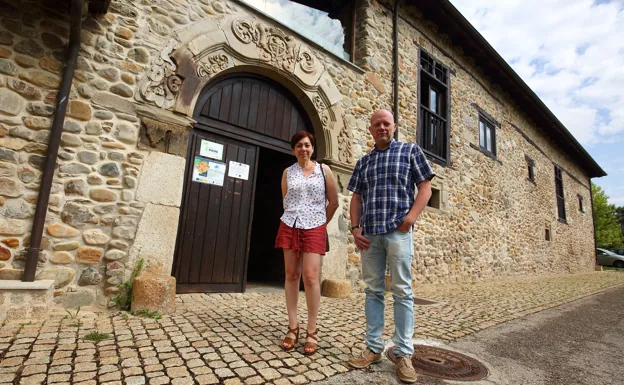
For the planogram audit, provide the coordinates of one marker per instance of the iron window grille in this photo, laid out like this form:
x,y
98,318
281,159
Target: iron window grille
x,y
434,133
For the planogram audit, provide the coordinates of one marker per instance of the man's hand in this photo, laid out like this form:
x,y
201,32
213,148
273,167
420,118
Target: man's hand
x,y
360,241
407,224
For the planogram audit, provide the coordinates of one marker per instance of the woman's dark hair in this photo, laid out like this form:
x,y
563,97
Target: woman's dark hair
x,y
300,135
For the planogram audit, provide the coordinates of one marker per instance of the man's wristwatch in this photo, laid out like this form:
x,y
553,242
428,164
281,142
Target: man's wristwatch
x,y
355,227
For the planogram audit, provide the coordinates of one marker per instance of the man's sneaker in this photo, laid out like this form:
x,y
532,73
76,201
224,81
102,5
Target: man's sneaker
x,y
365,359
405,370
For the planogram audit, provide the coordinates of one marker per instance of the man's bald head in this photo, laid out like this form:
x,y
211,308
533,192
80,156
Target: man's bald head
x,y
382,112
382,128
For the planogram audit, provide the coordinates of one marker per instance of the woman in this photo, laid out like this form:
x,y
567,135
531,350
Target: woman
x,y
302,234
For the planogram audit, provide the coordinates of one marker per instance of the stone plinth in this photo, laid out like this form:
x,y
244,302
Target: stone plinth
x,y
336,288
25,300
154,291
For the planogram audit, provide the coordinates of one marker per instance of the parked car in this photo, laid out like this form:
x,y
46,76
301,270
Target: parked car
x,y
618,251
609,258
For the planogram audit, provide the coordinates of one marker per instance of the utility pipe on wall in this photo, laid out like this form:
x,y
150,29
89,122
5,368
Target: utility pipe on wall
x,y
32,256
395,63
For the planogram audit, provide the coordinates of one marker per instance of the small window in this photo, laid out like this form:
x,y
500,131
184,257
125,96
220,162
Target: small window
x,y
559,193
547,233
580,202
487,136
531,168
434,201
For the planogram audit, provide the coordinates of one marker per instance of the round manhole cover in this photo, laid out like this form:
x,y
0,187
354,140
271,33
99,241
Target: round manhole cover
x,y
445,364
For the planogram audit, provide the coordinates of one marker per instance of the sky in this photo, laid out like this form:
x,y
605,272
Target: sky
x,y
312,23
570,52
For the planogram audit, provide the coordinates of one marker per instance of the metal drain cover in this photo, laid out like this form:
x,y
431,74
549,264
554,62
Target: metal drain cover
x,y
445,364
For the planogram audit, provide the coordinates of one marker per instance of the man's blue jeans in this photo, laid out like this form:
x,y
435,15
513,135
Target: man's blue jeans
x,y
398,249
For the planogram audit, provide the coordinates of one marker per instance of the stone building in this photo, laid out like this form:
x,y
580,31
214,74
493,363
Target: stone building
x,y
177,131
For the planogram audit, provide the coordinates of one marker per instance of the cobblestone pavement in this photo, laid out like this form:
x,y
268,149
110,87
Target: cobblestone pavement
x,y
234,338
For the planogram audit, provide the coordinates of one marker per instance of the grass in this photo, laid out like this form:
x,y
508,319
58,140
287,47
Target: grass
x,y
612,268
96,337
124,299
147,314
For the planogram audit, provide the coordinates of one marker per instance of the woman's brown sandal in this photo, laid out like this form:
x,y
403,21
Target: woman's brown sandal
x,y
290,341
311,347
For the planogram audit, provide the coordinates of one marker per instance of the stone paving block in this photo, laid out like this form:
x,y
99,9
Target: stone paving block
x,y
206,379
137,380
37,379
162,380
236,338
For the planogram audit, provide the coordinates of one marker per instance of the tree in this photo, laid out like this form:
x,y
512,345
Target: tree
x,y
620,217
608,230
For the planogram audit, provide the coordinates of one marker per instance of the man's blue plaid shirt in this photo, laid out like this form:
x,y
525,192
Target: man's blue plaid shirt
x,y
387,181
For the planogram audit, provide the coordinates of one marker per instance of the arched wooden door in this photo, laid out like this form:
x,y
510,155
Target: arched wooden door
x,y
235,116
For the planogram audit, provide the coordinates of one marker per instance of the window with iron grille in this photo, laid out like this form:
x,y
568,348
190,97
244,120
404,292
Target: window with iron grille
x,y
559,192
433,133
487,136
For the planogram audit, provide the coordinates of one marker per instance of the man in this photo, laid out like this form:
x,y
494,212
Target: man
x,y
383,211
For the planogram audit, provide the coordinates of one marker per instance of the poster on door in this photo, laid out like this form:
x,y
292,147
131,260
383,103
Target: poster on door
x,y
208,171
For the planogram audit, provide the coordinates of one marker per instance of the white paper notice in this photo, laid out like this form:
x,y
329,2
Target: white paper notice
x,y
211,150
239,170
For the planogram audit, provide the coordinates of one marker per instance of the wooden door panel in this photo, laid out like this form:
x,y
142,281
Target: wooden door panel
x,y
215,222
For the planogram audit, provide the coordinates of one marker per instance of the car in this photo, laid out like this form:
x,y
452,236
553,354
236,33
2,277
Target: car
x,y
609,258
618,251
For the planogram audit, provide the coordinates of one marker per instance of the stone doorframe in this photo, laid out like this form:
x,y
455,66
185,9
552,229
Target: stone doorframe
x,y
168,92
204,51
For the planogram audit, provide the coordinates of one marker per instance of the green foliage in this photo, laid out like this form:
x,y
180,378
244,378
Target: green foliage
x,y
74,317
147,314
608,230
96,336
619,212
124,299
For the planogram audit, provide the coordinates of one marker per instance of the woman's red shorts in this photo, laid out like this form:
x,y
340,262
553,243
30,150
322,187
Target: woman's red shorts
x,y
300,240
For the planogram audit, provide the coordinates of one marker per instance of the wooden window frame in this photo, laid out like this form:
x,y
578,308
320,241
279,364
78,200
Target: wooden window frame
x,y
491,125
560,195
440,77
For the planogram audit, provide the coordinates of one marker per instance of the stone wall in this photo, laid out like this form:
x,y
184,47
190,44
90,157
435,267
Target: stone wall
x,y
93,212
492,220
109,207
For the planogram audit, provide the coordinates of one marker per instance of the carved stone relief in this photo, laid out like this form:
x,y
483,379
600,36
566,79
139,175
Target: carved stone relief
x,y
322,110
277,48
161,83
213,65
345,143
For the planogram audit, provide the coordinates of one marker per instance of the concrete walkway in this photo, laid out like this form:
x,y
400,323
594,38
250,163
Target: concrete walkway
x,y
234,339
580,343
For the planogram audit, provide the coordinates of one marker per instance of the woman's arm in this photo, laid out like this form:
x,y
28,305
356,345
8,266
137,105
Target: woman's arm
x,y
332,193
284,185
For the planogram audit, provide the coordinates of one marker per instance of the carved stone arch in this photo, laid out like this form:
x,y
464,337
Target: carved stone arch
x,y
243,44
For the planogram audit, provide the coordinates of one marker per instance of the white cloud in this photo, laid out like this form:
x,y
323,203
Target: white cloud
x,y
570,52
